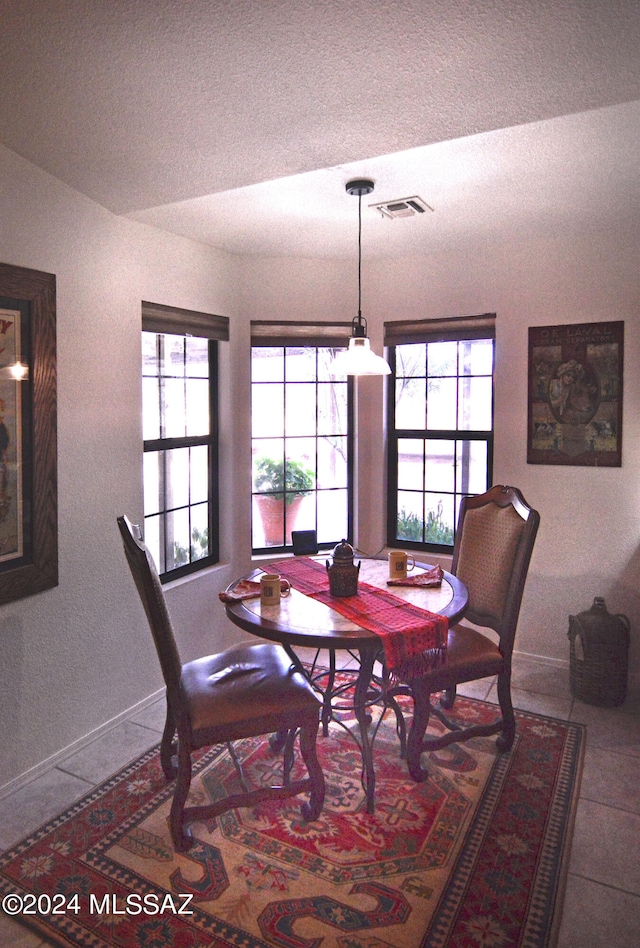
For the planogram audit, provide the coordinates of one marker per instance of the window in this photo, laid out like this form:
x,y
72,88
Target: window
x,y
180,428
301,426
441,425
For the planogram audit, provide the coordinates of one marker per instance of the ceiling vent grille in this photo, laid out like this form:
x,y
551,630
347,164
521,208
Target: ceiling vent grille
x,y
402,207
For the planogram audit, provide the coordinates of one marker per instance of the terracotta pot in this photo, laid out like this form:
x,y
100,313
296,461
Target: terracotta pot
x,y
272,515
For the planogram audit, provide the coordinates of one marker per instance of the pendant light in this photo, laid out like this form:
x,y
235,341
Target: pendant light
x,y
359,359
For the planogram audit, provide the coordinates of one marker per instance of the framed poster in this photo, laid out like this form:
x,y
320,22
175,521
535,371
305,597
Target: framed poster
x,y
28,451
13,332
575,394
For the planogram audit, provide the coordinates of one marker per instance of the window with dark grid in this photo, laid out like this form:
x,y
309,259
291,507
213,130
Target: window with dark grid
x,y
441,435
179,385
301,446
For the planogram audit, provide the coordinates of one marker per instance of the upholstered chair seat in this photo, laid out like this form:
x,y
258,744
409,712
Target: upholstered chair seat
x,y
218,688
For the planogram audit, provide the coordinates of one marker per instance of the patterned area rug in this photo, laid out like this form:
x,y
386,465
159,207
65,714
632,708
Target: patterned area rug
x,y
475,856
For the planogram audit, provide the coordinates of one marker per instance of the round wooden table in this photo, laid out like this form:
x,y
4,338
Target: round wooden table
x,y
301,622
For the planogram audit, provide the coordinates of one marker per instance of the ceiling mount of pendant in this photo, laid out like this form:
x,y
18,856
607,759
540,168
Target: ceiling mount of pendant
x,y
359,187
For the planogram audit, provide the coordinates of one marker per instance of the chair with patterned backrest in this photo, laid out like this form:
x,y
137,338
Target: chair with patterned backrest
x,y
493,545
244,691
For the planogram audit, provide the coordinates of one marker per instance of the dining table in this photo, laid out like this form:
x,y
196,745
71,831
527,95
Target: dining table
x,y
301,622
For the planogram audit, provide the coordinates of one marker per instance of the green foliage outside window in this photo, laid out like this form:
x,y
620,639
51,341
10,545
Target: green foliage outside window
x,y
199,548
410,527
283,478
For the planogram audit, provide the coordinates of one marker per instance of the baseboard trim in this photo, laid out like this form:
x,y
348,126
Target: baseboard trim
x,y
542,659
633,678
50,762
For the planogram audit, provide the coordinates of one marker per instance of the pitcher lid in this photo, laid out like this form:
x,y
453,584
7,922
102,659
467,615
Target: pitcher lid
x,y
343,551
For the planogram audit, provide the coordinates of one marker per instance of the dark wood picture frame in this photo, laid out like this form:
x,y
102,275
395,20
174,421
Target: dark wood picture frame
x,y
32,293
575,394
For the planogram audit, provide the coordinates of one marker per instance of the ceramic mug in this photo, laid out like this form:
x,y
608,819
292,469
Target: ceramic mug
x,y
400,563
273,588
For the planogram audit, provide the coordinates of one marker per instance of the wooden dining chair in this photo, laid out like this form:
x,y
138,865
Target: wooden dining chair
x,y
492,550
244,691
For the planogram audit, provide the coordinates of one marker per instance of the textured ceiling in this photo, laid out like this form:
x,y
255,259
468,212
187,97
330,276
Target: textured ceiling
x,y
238,123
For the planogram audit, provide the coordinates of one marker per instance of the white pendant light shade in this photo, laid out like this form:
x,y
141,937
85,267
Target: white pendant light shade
x,y
359,359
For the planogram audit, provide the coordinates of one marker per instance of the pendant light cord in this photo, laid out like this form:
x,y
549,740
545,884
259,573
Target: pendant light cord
x,y
359,187
360,259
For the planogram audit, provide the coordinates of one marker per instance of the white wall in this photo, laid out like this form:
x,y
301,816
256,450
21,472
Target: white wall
x,y
75,657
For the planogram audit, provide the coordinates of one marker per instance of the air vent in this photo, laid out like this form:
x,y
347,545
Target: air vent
x,y
402,207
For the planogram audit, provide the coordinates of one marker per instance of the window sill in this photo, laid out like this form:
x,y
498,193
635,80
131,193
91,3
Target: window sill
x,y
198,574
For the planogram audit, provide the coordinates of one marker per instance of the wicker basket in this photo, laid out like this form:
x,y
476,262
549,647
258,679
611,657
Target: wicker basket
x,y
599,645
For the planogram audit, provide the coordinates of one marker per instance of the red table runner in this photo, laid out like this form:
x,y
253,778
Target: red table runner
x,y
414,639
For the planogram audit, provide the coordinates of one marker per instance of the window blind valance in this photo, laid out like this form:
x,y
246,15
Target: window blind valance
x,y
401,332
172,319
268,333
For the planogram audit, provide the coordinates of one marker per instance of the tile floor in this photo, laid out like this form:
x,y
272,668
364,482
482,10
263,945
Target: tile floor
x,y
602,901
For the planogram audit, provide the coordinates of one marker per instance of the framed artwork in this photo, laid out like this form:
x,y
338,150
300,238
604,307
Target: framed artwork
x,y
28,449
575,394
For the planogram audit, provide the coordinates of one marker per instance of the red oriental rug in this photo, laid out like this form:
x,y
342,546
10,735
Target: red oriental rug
x,y
475,856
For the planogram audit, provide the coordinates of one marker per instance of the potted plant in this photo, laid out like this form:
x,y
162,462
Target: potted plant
x,y
281,484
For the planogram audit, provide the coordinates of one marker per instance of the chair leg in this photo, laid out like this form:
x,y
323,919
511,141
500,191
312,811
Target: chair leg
x,y
448,698
278,740
308,735
401,726
288,756
504,741
237,765
327,710
182,839
167,746
417,731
